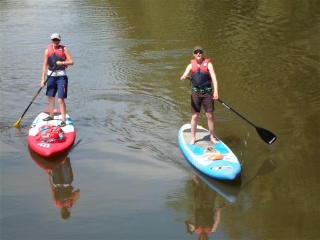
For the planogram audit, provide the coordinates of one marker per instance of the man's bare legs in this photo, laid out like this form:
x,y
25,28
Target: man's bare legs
x,y
210,119
194,122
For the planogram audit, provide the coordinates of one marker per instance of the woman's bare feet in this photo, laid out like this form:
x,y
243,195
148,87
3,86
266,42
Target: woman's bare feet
x,y
192,141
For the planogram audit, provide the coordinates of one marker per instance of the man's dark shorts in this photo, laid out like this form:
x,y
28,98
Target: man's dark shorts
x,y
57,84
204,99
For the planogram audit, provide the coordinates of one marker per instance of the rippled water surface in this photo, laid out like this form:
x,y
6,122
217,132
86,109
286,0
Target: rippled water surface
x,y
126,100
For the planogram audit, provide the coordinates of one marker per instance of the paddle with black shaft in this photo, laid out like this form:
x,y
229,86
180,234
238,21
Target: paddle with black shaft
x,y
267,136
17,124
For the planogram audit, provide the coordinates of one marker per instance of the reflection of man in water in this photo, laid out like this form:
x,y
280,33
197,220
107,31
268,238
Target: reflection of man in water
x,y
60,180
206,215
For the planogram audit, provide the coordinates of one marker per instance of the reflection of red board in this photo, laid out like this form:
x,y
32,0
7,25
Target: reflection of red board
x,y
51,149
47,164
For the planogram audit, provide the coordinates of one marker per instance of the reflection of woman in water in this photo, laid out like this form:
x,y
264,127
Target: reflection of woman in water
x,y
206,215
63,196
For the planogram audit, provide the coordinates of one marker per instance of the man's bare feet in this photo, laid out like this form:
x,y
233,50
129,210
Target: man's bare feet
x,y
192,141
214,140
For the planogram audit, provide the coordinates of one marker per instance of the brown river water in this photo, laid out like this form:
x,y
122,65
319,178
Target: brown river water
x,y
129,177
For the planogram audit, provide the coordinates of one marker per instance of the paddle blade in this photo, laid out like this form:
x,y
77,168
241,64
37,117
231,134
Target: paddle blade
x,y
17,124
267,136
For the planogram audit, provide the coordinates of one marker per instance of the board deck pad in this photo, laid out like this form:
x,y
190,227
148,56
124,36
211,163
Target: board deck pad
x,y
228,168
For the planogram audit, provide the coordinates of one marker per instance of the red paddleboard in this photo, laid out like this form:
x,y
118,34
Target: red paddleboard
x,y
51,148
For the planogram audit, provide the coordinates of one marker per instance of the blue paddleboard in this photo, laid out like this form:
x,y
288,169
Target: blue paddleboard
x,y
203,154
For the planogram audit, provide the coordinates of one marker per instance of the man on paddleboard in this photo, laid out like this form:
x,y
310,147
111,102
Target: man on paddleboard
x,y
56,59
206,214
202,77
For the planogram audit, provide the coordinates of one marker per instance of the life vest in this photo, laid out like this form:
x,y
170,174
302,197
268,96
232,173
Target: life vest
x,y
200,230
50,133
55,55
63,196
200,76
61,204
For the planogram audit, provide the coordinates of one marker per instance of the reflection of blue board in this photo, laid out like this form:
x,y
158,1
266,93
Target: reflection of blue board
x,y
228,190
228,168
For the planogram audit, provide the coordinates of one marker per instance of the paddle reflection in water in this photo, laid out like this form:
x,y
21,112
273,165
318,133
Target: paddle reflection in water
x,y
207,206
267,166
60,178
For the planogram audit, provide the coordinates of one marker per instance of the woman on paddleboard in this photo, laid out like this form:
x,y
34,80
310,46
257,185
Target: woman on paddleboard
x,y
56,59
202,77
63,194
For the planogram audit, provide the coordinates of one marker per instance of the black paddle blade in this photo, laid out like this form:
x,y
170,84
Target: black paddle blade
x,y
267,136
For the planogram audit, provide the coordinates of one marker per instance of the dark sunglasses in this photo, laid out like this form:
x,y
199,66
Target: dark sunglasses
x,y
198,52
55,39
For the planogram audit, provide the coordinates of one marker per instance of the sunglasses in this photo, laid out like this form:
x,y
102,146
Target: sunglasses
x,y
198,52
55,39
